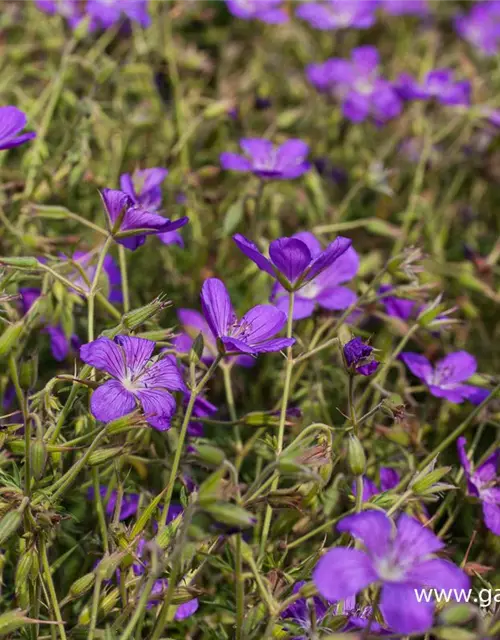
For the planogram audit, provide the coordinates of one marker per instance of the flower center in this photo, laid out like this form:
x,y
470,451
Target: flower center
x,y
389,570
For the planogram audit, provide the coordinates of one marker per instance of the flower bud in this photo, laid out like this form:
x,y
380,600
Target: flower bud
x,y
23,570
197,348
124,423
9,524
28,373
26,262
100,456
230,514
10,338
38,457
106,604
425,479
109,564
457,614
210,454
13,620
82,585
356,458
137,317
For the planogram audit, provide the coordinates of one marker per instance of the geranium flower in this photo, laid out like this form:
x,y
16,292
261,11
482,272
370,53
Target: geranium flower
x,y
358,357
87,262
445,379
338,14
103,14
129,504
270,11
481,26
438,85
399,558
136,379
12,121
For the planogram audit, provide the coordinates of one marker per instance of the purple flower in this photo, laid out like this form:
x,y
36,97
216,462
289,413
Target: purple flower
x,y
265,160
129,505
438,85
324,289
202,409
396,307
106,13
291,260
338,14
483,484
358,357
131,223
269,11
252,334
358,86
400,559
389,478
445,379
405,7
136,380
481,26
300,613
12,121
143,187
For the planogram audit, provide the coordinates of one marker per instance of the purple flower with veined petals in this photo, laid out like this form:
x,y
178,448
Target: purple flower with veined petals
x,y
143,186
300,613
358,357
290,259
252,334
483,484
193,324
400,558
267,161
12,121
270,11
324,289
131,223
358,86
405,7
438,85
481,26
106,13
389,478
338,14
445,379
136,380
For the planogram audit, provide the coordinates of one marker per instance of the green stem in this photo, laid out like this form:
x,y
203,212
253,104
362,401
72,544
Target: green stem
x,y
140,609
95,606
101,517
52,592
124,275
93,288
359,494
23,403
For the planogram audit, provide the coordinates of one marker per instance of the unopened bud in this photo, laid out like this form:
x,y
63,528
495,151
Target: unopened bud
x,y
106,604
230,514
38,457
109,564
426,478
13,620
9,524
26,262
82,585
124,423
28,373
136,318
217,109
356,458
457,614
23,570
100,456
210,454
10,338
197,348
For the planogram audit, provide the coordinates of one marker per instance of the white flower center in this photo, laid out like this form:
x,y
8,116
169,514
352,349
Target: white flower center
x,y
389,570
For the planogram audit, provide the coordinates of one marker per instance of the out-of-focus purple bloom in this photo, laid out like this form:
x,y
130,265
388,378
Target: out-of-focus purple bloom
x,y
359,358
358,86
129,505
12,121
483,484
106,13
405,7
291,261
300,613
324,289
338,14
262,103
131,222
396,307
389,478
267,161
137,379
252,334
202,409
445,379
193,323
400,559
481,26
87,262
438,85
270,11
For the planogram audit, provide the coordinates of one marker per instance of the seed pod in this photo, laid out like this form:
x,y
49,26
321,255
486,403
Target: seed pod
x,y
9,524
82,585
28,372
13,620
230,514
27,262
106,605
135,318
38,457
356,458
10,338
109,564
210,454
103,455
23,570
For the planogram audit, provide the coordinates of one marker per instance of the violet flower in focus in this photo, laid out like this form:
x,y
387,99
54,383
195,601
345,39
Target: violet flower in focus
x,y
267,161
438,85
252,334
136,379
358,357
291,260
445,379
400,558
483,483
358,86
12,122
130,223
338,14
324,289
270,11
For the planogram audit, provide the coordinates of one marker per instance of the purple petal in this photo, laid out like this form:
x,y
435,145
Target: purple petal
x,y
262,322
473,394
488,471
28,297
291,154
111,401
172,237
138,352
344,269
158,406
401,610
310,240
370,489
260,151
216,306
115,202
438,574
336,298
186,609
251,251
462,456
368,368
456,367
235,344
290,256
332,253
389,478
302,307
342,573
373,528
418,365
193,322
164,374
413,541
106,355
491,513
59,343
127,186
234,162
275,344
12,120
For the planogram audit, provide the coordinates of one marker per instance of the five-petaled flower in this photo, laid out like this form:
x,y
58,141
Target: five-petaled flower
x,y
338,14
324,289
438,85
482,483
136,379
446,378
267,161
252,334
12,121
270,11
291,260
398,558
359,357
130,223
